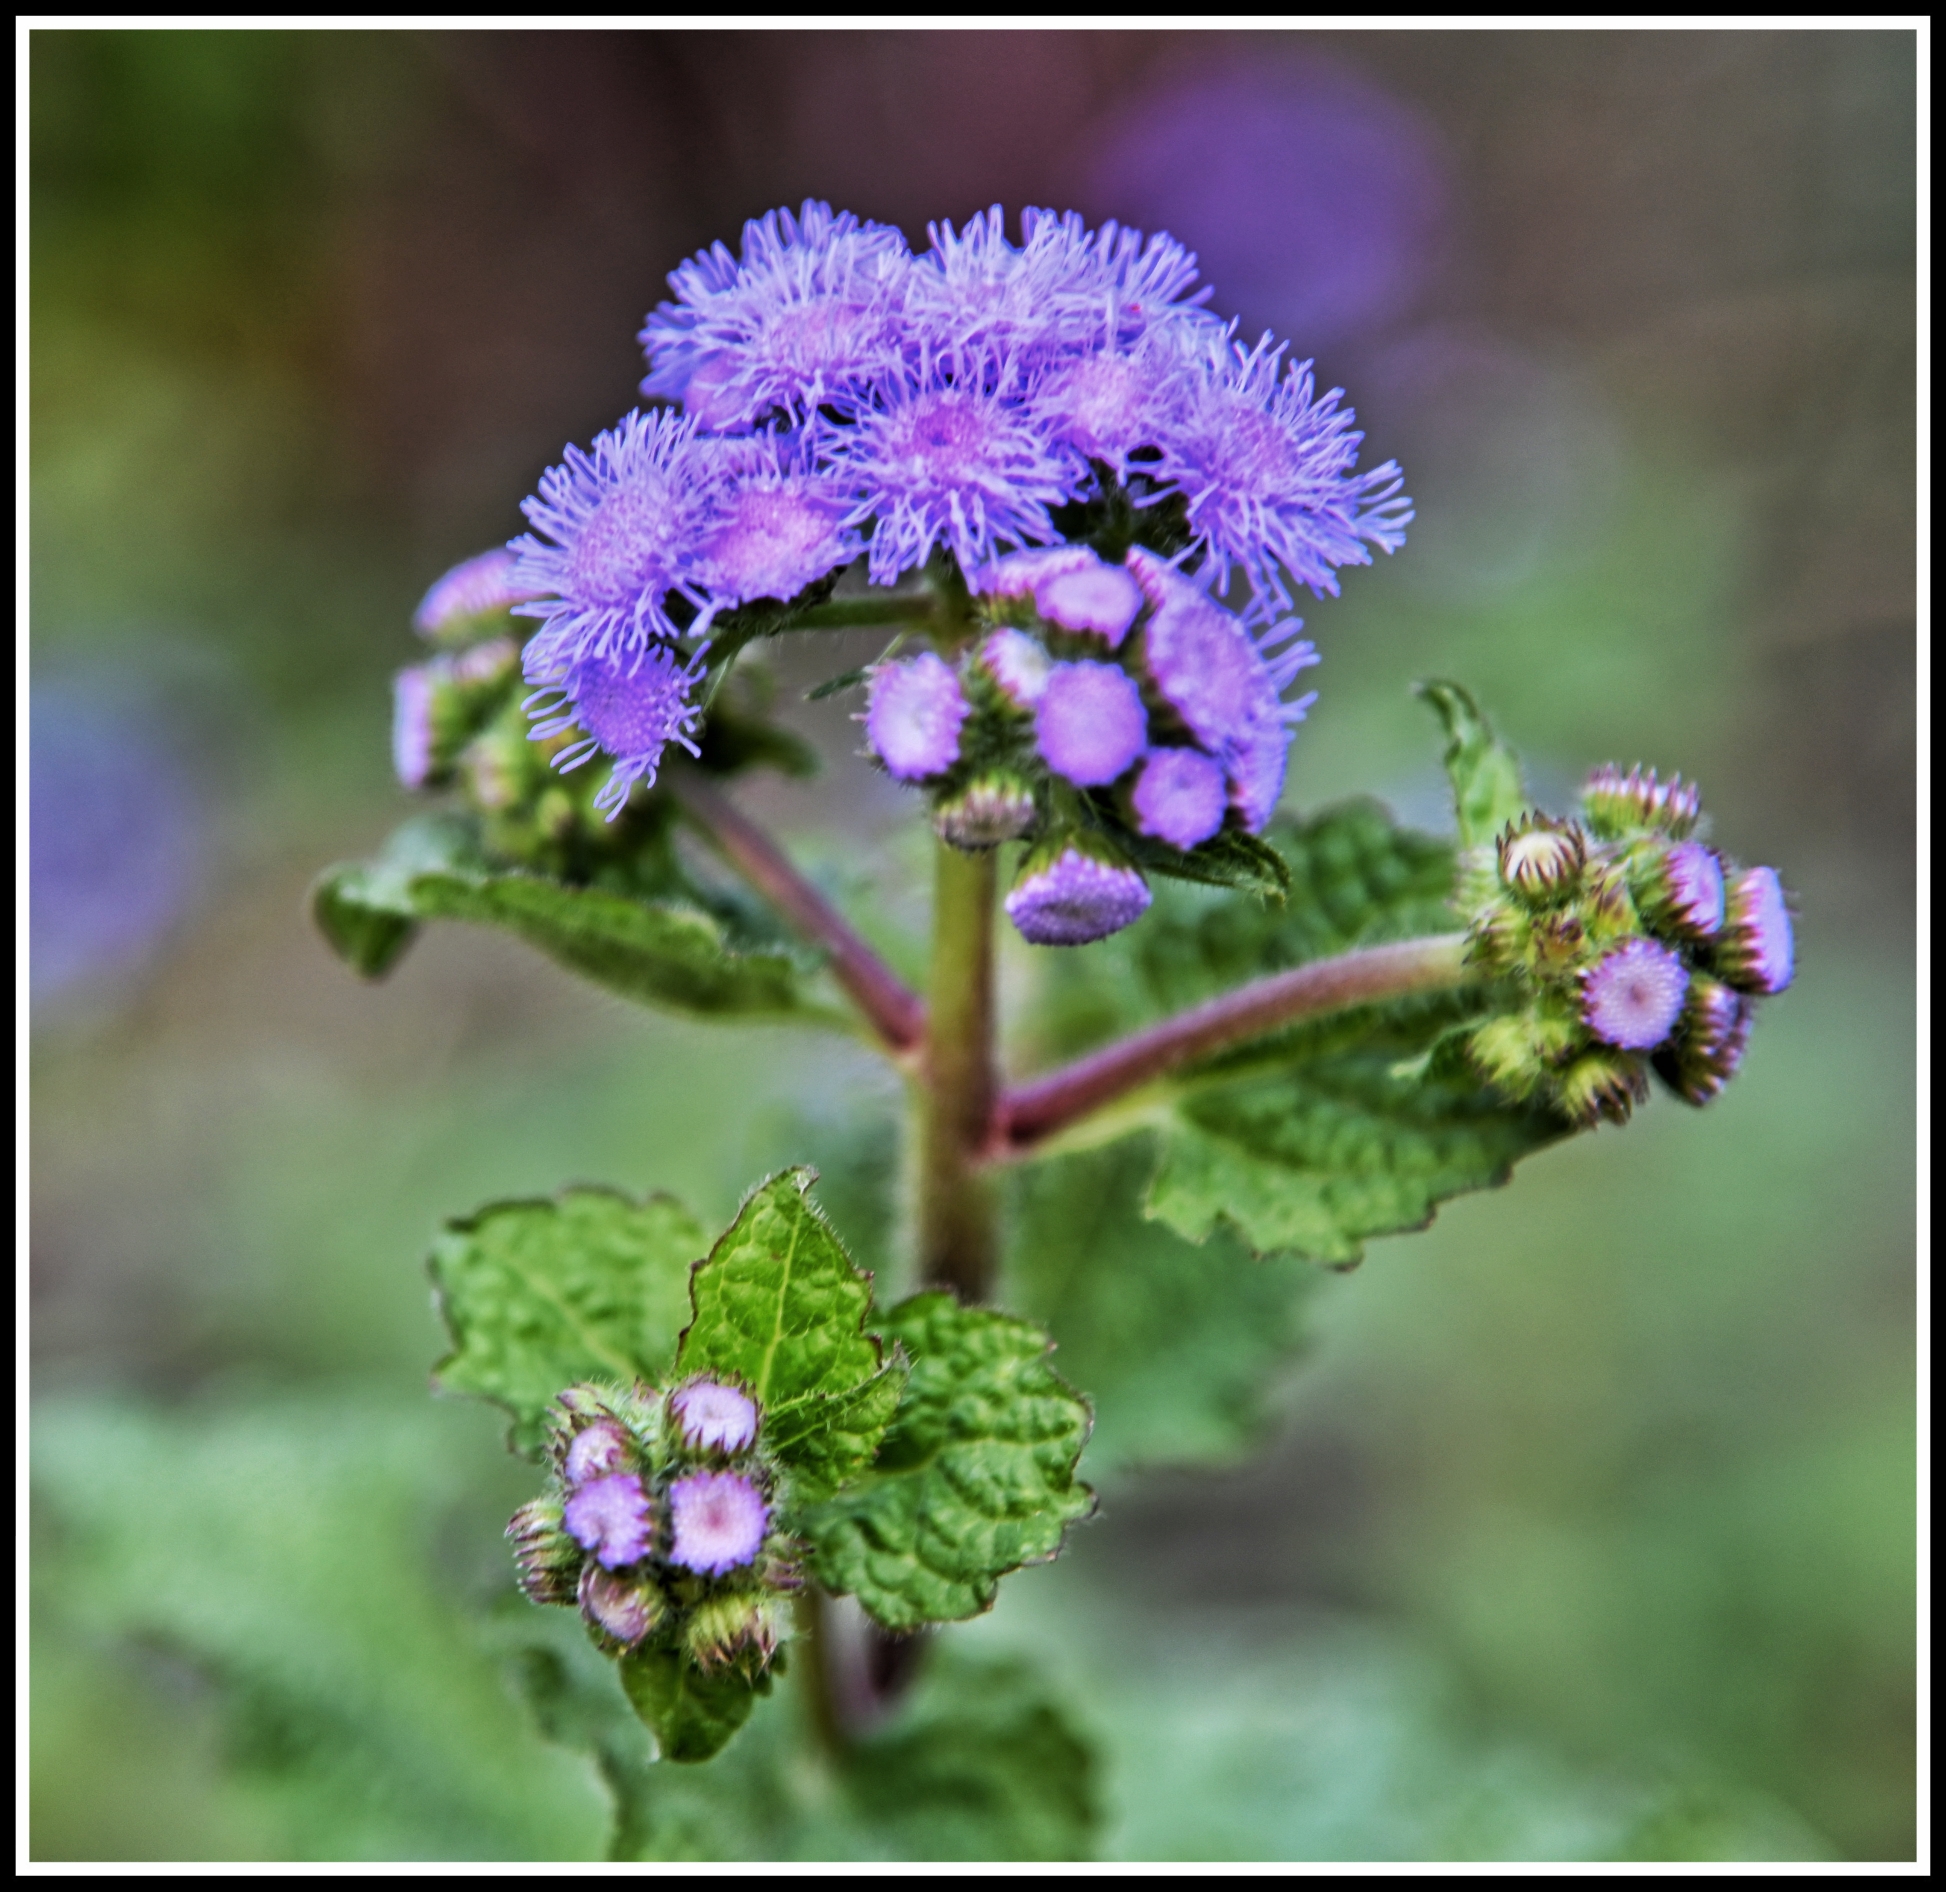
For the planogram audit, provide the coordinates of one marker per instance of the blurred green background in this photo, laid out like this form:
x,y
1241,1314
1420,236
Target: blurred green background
x,y
1584,1525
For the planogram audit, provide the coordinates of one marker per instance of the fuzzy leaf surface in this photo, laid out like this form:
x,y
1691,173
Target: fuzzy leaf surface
x,y
541,1293
976,1475
691,1715
780,1308
1485,773
663,952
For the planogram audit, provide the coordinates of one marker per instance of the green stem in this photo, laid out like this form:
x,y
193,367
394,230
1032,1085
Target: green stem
x,y
852,614
958,1229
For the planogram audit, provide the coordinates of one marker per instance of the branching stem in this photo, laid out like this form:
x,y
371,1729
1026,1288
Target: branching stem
x,y
1030,1113
895,1011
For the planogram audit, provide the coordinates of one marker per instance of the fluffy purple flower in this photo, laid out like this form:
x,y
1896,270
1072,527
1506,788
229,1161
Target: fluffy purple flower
x,y
719,1520
1180,797
1070,586
1075,898
596,1450
1757,950
1634,995
628,707
625,1610
1221,684
1090,724
948,456
610,1518
1018,665
623,521
714,1416
412,733
914,717
473,588
1265,469
809,314
774,524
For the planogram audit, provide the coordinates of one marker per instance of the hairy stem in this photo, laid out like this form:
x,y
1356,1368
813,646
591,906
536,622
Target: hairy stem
x,y
958,1231
1030,1113
895,1011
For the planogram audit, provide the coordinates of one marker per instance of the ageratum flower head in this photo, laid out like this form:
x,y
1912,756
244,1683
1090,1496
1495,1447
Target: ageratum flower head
x,y
630,707
812,311
775,522
617,532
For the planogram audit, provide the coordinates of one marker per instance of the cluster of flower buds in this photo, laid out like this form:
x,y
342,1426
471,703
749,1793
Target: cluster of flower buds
x,y
1637,946
659,1525
1101,697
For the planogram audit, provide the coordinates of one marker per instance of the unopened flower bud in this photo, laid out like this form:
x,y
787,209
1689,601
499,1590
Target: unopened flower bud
x,y
714,1417
1757,951
610,1518
596,1451
1180,796
1498,940
914,718
1541,859
1504,1050
544,1555
1680,890
1620,804
990,810
1709,1041
1601,1086
1633,995
438,706
473,595
718,1520
722,1628
1090,724
624,1609
1071,892
1018,666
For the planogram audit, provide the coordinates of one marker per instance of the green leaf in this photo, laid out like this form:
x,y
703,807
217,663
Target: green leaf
x,y
1487,789
1317,1136
976,1475
1178,1345
663,952
780,1308
541,1293
1239,861
692,1715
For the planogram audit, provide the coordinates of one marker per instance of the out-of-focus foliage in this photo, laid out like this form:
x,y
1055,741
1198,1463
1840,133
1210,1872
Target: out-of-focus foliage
x,y
1589,1525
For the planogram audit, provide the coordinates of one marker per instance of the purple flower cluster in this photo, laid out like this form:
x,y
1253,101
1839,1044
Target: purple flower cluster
x,y
649,1489
840,395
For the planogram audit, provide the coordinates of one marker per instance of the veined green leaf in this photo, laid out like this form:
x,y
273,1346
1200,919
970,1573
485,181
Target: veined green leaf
x,y
691,1714
1485,773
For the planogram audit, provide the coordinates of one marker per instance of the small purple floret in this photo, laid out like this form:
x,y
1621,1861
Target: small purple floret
x,y
772,533
914,718
630,707
714,1416
1076,898
412,725
471,589
719,1520
1090,724
1203,661
598,1449
1695,882
1018,665
1070,586
1759,950
1634,996
1180,797
609,1517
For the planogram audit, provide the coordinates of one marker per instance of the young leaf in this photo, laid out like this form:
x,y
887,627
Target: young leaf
x,y
662,952
692,1715
976,1475
541,1293
1239,861
1487,790
780,1308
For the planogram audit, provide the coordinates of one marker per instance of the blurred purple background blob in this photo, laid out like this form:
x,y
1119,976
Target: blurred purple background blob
x,y
1315,201
116,844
